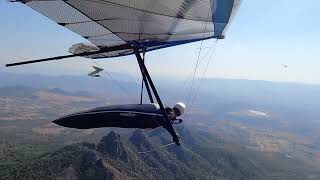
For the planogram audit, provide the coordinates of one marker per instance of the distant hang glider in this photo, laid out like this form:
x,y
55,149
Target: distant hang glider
x,y
95,72
119,28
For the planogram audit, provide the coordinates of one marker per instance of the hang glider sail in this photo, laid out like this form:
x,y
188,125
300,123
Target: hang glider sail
x,y
123,27
151,24
96,72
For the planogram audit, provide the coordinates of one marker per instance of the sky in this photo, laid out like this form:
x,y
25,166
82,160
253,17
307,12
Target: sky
x,y
263,37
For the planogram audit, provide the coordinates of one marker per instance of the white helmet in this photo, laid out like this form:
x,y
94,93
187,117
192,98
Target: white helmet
x,y
180,107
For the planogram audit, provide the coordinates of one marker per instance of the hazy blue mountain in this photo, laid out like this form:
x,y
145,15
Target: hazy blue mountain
x,y
235,129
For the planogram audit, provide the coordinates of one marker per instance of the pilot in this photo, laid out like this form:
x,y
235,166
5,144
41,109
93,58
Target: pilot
x,y
177,110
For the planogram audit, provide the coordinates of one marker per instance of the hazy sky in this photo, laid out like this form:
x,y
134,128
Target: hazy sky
x,y
264,36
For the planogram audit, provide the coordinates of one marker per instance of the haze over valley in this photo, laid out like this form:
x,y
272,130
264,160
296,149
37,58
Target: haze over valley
x,y
241,129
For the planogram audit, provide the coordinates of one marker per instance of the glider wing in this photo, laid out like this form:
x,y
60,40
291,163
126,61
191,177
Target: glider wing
x,y
149,24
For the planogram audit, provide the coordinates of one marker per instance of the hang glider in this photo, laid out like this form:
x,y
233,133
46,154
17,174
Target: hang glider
x,y
123,27
95,72
150,24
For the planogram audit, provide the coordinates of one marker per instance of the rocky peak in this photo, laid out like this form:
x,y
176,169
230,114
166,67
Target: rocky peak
x,y
112,146
110,138
140,140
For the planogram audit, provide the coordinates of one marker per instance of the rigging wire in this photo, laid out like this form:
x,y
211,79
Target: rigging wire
x,y
131,75
190,103
211,58
183,86
203,57
195,72
155,149
197,63
112,79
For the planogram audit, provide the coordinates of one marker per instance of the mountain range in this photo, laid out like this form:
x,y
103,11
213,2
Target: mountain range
x,y
236,129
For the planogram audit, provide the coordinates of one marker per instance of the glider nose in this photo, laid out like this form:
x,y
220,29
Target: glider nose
x,y
60,122
78,121
66,121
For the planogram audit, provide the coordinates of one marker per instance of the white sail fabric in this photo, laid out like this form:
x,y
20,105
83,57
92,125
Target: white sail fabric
x,y
151,24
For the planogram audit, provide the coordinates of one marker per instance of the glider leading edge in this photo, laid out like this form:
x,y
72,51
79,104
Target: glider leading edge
x,y
119,28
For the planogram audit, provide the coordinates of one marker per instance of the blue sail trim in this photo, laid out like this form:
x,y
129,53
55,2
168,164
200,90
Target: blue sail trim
x,y
222,10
